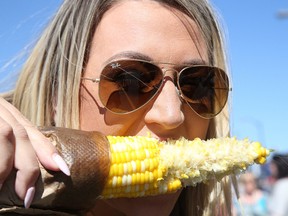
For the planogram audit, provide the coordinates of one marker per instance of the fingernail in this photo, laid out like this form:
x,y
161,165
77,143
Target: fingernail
x,y
61,164
29,197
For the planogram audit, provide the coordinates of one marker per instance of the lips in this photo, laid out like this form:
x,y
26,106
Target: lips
x,y
162,139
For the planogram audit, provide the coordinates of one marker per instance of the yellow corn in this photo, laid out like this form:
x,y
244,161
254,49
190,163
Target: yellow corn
x,y
143,166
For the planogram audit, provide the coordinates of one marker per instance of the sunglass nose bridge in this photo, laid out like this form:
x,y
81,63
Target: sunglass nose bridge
x,y
170,74
167,69
173,77
178,91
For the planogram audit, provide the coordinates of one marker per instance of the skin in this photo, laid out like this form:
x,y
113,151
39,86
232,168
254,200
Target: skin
x,y
250,183
20,145
250,193
147,34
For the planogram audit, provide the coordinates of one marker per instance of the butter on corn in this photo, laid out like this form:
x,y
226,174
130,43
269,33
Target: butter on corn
x,y
143,166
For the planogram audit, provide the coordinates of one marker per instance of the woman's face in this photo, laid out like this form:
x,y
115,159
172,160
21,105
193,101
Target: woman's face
x,y
144,28
249,183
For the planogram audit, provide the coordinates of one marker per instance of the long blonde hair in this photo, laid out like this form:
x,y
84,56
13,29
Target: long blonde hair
x,y
49,82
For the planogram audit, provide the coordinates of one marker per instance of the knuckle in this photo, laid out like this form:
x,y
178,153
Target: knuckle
x,y
28,174
5,169
31,169
20,132
5,130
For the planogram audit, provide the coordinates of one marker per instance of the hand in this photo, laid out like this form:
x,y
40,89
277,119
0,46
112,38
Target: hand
x,y
21,146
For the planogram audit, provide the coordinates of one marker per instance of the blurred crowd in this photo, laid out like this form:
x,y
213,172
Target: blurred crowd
x,y
264,193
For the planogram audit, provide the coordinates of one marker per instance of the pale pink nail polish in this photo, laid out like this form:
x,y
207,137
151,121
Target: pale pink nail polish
x,y
61,164
29,197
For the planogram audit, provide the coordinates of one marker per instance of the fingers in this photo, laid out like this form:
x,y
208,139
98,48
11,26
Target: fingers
x,y
21,146
25,160
22,127
6,150
46,153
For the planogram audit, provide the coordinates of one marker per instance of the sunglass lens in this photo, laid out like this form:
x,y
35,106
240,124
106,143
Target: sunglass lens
x,y
205,89
127,85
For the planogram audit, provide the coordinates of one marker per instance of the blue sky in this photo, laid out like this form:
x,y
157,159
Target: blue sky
x,y
257,43
258,52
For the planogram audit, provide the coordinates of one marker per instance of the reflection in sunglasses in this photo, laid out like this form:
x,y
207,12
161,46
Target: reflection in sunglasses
x,y
127,85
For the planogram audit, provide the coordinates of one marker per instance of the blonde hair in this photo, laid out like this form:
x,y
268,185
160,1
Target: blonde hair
x,y
51,76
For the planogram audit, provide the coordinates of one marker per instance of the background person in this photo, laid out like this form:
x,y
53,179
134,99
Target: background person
x,y
278,202
253,200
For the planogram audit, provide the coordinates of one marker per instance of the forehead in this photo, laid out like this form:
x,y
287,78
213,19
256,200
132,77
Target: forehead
x,y
161,32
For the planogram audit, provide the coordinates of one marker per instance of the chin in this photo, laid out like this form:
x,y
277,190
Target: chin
x,y
160,205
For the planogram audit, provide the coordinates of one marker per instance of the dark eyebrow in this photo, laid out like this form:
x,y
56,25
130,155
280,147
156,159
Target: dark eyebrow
x,y
195,62
141,56
129,55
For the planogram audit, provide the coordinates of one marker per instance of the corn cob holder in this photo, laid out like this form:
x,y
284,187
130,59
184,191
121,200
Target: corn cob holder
x,y
111,167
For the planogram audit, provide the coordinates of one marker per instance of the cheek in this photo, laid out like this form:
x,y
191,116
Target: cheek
x,y
200,128
93,116
91,112
195,125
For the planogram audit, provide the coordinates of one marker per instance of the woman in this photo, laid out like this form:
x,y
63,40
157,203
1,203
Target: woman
x,y
88,40
253,200
278,200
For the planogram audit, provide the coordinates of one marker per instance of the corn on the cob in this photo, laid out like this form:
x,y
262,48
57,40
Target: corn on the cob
x,y
142,166
128,167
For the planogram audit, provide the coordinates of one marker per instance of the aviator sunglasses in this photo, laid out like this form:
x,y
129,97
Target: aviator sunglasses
x,y
128,85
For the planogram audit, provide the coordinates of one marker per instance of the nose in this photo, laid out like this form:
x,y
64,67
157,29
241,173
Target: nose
x,y
166,110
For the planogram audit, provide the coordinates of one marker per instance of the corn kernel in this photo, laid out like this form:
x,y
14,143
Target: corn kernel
x,y
142,166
